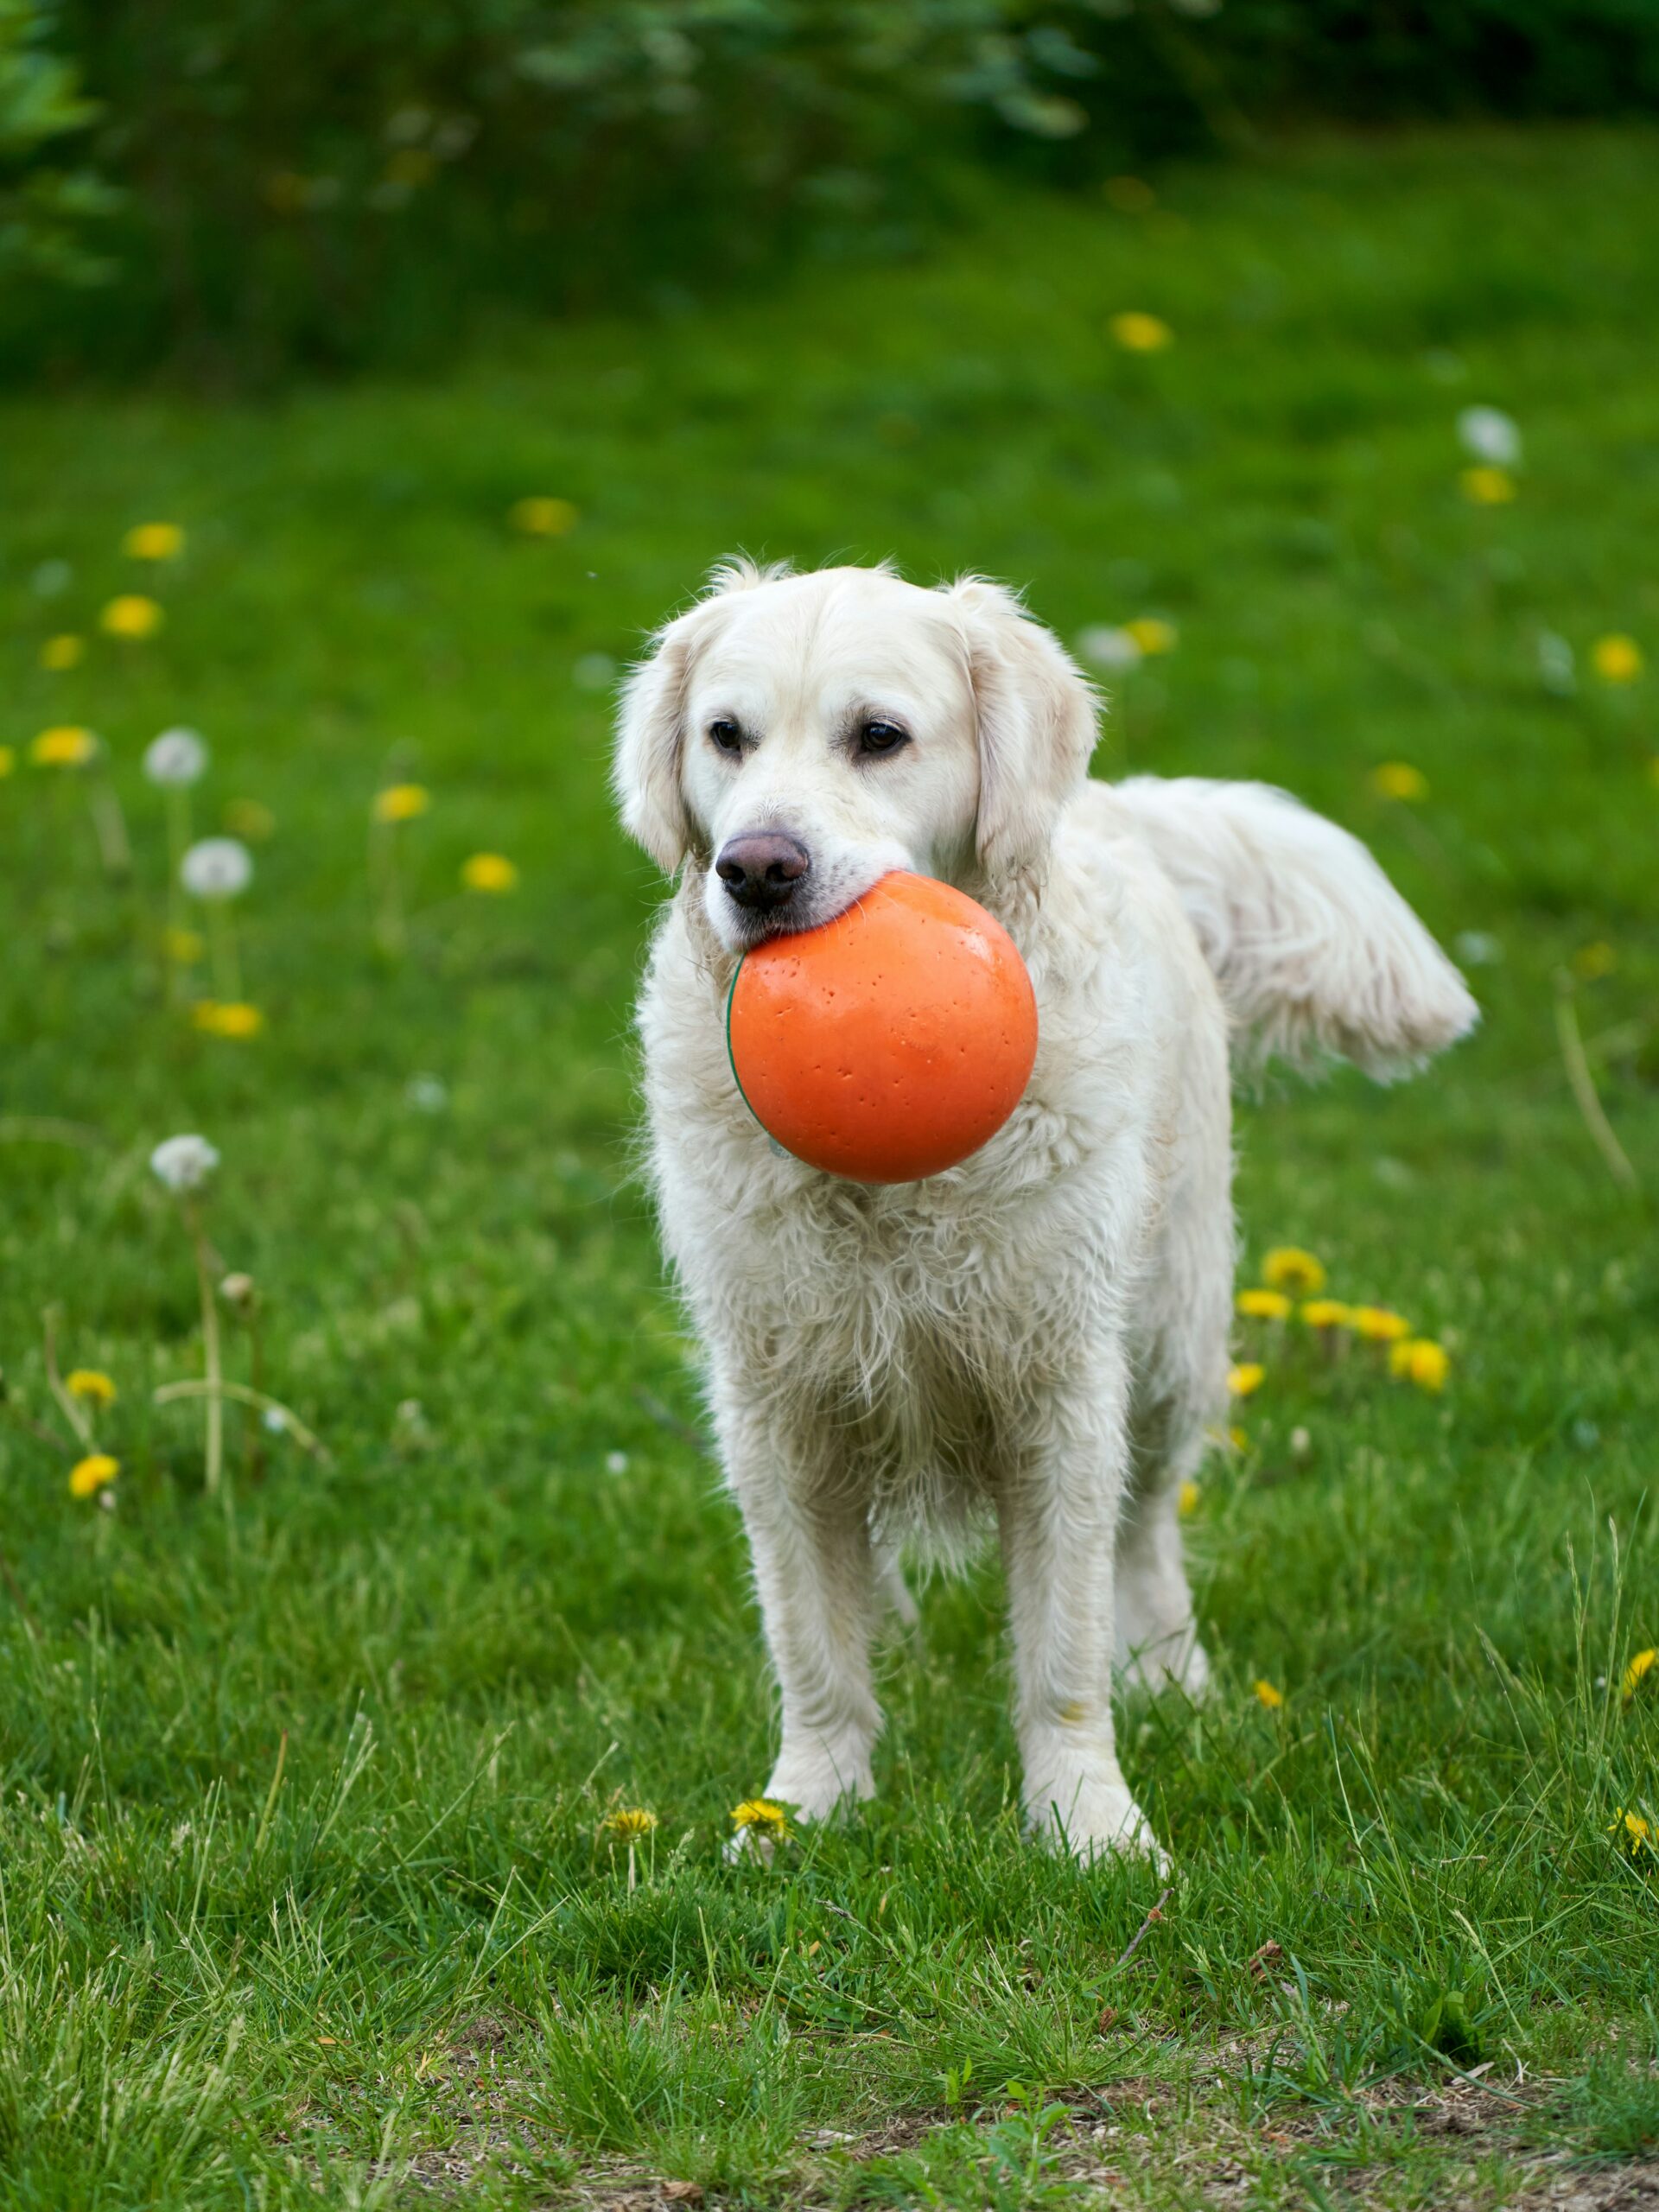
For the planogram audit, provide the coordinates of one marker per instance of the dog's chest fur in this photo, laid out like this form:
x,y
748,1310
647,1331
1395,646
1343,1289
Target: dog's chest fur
x,y
911,1318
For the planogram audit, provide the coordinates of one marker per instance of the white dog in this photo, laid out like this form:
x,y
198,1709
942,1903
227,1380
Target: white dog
x,y
1042,1332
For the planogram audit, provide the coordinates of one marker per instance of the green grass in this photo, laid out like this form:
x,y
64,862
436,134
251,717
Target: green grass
x,y
300,1897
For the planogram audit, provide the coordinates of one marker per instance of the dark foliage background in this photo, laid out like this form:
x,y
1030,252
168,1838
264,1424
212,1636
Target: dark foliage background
x,y
245,186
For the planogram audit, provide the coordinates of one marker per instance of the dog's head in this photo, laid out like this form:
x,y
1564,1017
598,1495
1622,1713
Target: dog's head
x,y
804,735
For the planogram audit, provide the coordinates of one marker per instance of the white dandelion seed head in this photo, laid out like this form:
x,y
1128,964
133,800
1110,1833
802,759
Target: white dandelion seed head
x,y
1490,436
217,868
184,1163
275,1421
176,757
1103,647
616,1463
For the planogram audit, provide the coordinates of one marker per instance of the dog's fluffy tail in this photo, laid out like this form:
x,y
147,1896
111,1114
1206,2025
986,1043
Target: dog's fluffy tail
x,y
1315,951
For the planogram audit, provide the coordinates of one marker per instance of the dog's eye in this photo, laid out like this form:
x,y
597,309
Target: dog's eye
x,y
726,735
878,737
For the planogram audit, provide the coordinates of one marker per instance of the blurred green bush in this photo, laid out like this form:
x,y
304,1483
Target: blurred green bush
x,y
48,202
270,183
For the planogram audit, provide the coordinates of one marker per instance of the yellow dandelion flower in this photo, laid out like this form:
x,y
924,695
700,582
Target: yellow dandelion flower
x,y
1264,1304
1327,1314
1244,1380
227,1018
541,518
1266,1694
183,947
1187,1499
1488,487
1636,1672
8,760
132,615
1378,1326
1634,1835
1237,1440
490,872
627,1824
93,1473
759,1816
1152,634
1138,333
1594,961
1399,779
1420,1360
1616,658
401,802
1289,1268
63,651
67,746
153,541
90,1382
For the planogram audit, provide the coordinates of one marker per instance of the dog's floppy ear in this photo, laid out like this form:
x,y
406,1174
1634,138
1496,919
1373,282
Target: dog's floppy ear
x,y
1036,716
646,773
650,723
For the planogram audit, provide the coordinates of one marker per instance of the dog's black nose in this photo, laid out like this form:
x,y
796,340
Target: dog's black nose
x,y
762,868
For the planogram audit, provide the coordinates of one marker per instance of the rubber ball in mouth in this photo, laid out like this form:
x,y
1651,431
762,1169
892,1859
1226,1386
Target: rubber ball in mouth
x,y
888,1043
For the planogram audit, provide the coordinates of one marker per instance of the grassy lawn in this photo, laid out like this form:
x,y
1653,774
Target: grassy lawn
x,y
304,1895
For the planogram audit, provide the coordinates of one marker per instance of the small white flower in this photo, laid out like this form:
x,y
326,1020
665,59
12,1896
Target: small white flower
x,y
1490,436
426,1094
1108,648
276,1420
176,757
616,1463
1556,664
217,868
184,1163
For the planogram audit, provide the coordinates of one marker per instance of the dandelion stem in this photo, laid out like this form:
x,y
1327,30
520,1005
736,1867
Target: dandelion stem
x,y
170,1393
74,1414
109,826
215,1392
1583,1083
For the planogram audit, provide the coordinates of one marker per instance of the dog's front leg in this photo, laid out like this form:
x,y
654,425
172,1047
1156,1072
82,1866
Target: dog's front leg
x,y
1058,1509
815,1574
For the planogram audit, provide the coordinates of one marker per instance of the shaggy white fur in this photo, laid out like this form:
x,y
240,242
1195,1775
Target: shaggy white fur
x,y
1040,1334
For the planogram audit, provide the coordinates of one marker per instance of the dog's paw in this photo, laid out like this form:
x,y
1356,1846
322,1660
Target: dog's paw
x,y
1148,1672
800,1795
1101,1819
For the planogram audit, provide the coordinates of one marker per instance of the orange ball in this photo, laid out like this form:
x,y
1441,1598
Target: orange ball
x,y
887,1044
